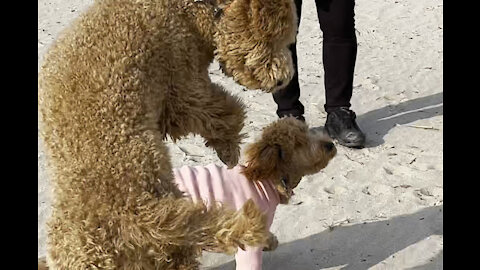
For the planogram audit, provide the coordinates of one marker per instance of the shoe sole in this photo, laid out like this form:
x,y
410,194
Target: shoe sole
x,y
359,144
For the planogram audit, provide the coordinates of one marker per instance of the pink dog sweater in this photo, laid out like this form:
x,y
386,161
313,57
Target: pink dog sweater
x,y
213,183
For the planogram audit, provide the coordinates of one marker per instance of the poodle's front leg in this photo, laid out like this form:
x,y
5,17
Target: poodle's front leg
x,y
225,136
227,151
212,113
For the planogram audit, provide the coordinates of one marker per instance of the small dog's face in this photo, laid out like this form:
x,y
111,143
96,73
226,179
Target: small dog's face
x,y
252,40
287,151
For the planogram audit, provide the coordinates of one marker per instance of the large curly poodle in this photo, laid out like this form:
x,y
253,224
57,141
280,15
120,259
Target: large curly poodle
x,y
122,77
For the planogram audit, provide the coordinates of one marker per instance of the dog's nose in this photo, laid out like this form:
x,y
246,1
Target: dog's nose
x,y
329,146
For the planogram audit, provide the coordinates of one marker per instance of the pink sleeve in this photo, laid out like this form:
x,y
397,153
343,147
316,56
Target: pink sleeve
x,y
213,183
252,257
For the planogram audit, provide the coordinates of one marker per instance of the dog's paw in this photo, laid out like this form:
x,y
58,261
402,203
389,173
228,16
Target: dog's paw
x,y
227,153
272,243
229,159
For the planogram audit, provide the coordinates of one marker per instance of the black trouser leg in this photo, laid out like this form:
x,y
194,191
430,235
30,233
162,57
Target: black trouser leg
x,y
287,98
339,50
339,54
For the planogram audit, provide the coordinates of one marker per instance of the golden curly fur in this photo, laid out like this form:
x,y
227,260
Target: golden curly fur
x,y
126,74
287,151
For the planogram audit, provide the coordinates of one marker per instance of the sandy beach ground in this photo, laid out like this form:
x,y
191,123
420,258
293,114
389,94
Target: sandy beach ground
x,y
380,207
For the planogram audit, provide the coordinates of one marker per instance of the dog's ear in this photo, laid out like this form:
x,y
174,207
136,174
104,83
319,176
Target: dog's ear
x,y
274,19
264,161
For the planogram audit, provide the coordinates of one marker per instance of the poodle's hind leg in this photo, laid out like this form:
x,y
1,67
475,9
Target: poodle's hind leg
x,y
214,114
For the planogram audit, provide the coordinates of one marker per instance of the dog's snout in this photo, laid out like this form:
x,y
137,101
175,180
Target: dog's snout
x,y
329,146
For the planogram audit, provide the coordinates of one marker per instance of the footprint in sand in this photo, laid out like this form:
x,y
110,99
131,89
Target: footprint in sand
x,y
431,191
377,189
369,83
335,189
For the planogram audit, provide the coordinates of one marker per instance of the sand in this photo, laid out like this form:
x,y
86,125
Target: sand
x,y
380,207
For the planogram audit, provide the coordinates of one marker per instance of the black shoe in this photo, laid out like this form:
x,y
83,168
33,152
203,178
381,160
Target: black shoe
x,y
341,125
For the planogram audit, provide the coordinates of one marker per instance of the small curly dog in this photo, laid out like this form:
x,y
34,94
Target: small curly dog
x,y
114,85
286,151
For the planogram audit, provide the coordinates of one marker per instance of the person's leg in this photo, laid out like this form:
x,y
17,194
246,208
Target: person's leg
x,y
339,50
339,54
287,99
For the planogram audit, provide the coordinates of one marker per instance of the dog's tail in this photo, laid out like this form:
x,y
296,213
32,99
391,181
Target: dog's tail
x,y
42,263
